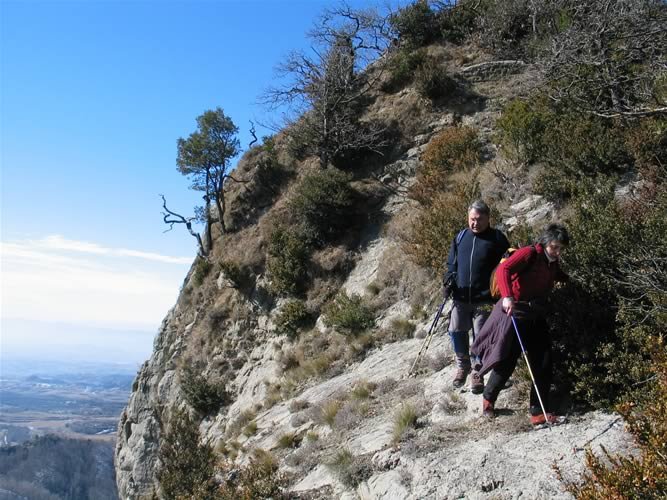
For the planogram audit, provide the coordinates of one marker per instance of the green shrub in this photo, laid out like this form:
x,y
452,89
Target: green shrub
x,y
572,145
584,144
562,136
349,314
292,318
287,262
402,66
432,80
605,317
240,276
203,396
437,223
187,467
521,128
202,269
554,184
458,22
504,26
642,475
321,204
415,24
454,149
647,141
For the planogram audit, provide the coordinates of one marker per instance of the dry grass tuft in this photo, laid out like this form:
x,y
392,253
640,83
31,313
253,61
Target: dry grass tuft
x,y
404,419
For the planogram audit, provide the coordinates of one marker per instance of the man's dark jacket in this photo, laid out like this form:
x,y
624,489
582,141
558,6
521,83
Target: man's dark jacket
x,y
471,259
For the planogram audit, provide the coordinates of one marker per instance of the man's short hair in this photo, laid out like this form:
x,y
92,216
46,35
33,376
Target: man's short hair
x,y
480,206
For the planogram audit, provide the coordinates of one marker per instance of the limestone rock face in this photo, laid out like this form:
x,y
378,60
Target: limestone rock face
x,y
138,435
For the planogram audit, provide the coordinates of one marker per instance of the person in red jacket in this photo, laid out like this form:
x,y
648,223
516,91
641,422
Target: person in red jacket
x,y
525,279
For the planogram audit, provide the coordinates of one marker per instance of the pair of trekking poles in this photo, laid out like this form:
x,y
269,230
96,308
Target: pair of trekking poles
x,y
429,336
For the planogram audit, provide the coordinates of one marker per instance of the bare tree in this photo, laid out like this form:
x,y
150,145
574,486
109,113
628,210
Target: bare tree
x,y
611,60
172,218
325,86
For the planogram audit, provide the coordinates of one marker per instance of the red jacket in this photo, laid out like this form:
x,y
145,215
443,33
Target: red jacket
x,y
527,274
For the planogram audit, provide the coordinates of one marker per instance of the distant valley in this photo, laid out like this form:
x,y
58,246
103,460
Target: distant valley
x,y
60,413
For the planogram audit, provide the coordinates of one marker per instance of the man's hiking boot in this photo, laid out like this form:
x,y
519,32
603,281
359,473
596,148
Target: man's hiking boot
x,y
476,383
487,409
460,377
539,421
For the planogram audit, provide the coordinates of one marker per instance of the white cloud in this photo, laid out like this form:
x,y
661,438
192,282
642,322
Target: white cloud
x,y
56,279
57,242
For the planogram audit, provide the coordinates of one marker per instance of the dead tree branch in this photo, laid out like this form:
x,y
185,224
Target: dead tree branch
x,y
172,218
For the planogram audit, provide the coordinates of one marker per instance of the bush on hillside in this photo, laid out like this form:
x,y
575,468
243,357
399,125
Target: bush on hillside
x,y
607,316
287,262
187,467
452,150
415,24
639,476
515,28
562,136
459,21
292,318
204,396
402,67
432,80
570,144
647,142
322,205
348,314
240,276
202,269
521,127
438,222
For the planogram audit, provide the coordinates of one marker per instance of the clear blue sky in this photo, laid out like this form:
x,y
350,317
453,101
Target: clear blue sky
x,y
94,95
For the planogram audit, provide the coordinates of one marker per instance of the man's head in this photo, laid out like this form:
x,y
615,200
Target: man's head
x,y
478,216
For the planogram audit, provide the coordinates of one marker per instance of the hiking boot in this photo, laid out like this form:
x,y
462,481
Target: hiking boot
x,y
460,377
539,420
476,383
487,409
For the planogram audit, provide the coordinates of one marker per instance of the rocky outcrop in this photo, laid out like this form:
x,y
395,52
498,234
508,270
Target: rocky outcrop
x,y
492,70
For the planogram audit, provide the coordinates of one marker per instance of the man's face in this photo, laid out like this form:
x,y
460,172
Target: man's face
x,y
477,222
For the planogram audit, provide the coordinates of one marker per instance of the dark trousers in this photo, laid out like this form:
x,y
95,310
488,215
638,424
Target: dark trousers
x,y
535,337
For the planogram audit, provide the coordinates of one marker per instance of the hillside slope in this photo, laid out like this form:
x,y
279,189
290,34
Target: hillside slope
x,y
326,406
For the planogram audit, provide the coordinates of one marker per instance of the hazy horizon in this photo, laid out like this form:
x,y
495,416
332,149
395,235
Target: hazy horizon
x,y
24,340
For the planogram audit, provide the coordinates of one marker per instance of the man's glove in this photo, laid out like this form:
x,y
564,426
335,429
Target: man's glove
x,y
448,287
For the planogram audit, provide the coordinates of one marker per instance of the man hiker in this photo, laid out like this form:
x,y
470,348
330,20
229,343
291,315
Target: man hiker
x,y
518,323
475,252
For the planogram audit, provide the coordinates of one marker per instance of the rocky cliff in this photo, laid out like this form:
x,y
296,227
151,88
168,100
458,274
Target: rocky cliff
x,y
328,407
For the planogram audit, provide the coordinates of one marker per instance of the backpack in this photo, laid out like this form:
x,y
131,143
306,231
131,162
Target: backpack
x,y
494,289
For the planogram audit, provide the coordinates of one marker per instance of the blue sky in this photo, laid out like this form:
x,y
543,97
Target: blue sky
x,y
93,98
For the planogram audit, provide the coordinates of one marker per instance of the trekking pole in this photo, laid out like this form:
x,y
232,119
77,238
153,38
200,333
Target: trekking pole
x,y
427,340
530,371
